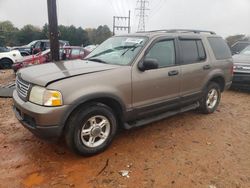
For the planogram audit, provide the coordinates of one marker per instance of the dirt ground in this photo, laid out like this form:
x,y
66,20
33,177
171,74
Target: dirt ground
x,y
187,150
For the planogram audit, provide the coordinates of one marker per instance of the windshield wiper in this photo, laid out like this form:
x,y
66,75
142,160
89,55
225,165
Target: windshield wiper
x,y
96,60
132,48
102,53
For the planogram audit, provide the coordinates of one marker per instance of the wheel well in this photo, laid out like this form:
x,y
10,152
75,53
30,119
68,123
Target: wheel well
x,y
219,80
7,59
112,103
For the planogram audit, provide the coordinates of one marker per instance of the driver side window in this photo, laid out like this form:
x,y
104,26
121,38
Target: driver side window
x,y
163,52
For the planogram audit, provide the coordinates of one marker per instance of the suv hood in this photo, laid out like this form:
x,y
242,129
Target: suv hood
x,y
241,58
45,74
241,63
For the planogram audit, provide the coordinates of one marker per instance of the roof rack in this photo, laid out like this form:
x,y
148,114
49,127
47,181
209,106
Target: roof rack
x,y
183,31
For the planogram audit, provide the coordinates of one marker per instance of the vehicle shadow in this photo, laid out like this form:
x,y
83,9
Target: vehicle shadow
x,y
239,89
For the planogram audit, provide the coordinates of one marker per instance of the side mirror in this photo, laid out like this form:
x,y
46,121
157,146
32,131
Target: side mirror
x,y
148,64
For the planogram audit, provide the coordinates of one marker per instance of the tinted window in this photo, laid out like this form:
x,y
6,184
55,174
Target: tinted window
x,y
238,47
189,51
220,48
201,50
37,45
164,52
2,49
246,51
47,45
75,52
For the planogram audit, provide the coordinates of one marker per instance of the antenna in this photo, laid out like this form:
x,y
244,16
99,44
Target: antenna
x,y
142,14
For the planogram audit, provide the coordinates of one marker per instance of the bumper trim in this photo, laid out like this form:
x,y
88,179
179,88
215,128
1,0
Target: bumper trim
x,y
44,122
48,132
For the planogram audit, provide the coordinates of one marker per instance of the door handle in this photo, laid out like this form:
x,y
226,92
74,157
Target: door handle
x,y
206,67
173,73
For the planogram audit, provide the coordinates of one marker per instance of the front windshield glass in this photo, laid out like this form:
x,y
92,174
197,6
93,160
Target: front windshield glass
x,y
117,50
246,51
31,43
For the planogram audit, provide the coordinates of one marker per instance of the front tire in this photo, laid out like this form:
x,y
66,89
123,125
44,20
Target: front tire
x,y
5,64
91,129
211,98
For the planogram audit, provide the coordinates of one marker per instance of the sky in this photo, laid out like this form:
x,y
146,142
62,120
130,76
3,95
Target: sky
x,y
225,17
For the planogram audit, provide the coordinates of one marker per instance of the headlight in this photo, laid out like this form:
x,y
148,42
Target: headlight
x,y
42,96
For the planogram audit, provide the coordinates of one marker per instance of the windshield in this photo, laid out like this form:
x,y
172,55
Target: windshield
x,y
117,50
246,51
2,49
31,43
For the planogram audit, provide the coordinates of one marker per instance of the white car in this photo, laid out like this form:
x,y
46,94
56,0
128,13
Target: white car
x,y
90,48
7,57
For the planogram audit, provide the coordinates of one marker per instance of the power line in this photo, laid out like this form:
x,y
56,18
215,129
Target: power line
x,y
142,13
124,26
156,9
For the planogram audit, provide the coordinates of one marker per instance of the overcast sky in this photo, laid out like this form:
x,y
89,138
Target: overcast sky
x,y
225,17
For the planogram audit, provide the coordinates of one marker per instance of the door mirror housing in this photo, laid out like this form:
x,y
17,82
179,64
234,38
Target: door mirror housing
x,y
148,64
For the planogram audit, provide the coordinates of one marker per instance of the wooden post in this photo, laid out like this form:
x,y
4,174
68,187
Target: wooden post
x,y
53,30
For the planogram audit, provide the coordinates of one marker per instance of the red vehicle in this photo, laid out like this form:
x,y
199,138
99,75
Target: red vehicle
x,y
66,53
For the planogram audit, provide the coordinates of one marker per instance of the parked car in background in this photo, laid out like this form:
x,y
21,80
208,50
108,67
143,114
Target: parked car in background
x,y
8,57
241,78
239,46
90,47
66,53
3,49
37,46
128,81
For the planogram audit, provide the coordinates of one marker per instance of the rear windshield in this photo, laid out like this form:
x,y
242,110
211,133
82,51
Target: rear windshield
x,y
238,47
220,48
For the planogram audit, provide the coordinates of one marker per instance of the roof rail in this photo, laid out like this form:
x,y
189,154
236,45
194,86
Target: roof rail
x,y
183,31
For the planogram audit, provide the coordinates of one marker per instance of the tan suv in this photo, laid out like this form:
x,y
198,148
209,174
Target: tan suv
x,y
127,81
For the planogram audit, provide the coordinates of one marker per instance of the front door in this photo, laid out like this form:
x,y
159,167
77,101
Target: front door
x,y
155,89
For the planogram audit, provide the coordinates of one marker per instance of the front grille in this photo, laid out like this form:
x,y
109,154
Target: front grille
x,y
22,88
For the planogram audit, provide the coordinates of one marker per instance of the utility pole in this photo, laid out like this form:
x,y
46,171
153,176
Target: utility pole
x,y
117,26
53,30
142,14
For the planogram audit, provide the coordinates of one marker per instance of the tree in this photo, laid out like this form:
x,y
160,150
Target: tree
x,y
234,38
29,33
76,36
12,36
8,34
99,35
45,31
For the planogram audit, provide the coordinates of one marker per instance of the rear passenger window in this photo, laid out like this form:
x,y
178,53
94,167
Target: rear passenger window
x,y
192,51
220,48
163,52
201,50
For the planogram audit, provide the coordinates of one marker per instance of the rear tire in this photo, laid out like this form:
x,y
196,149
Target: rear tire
x,y
91,129
5,63
210,99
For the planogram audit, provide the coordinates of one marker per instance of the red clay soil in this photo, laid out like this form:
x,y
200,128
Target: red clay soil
x,y
187,150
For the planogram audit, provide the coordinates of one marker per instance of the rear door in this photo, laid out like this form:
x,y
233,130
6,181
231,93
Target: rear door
x,y
195,67
157,89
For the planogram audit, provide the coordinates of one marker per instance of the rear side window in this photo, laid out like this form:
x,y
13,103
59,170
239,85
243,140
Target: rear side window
x,y
192,51
220,48
75,52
